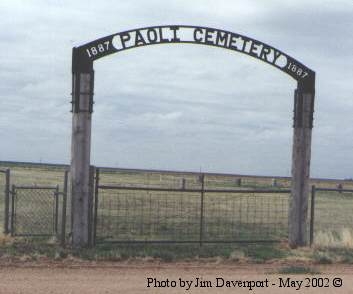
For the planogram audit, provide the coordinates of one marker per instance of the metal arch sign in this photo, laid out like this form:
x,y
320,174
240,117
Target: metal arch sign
x,y
82,108
172,34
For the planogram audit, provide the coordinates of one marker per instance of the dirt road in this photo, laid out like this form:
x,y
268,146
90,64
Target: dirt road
x,y
187,278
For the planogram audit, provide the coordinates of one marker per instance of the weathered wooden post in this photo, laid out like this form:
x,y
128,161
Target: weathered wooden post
x,y
183,183
238,182
82,107
303,123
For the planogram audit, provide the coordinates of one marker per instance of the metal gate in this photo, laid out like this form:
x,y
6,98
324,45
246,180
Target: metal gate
x,y
331,216
128,214
35,210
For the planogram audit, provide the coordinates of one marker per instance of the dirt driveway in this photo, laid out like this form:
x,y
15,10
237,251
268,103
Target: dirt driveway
x,y
177,278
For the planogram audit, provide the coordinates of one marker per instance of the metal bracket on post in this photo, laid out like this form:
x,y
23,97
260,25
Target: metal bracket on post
x,y
299,120
76,93
81,65
298,109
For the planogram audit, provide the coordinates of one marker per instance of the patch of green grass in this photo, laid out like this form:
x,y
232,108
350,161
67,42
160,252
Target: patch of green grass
x,y
261,253
32,249
29,247
322,257
172,252
164,252
39,247
334,255
298,270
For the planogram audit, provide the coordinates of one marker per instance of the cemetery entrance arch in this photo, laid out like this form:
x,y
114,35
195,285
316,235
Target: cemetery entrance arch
x,y
82,108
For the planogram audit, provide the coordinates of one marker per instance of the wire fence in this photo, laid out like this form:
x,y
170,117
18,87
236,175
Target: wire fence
x,y
187,180
331,216
145,206
128,214
34,211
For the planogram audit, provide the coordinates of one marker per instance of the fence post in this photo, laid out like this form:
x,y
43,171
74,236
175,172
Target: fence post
x,y
56,194
13,195
183,183
96,186
7,201
312,214
82,109
238,182
301,152
63,215
202,178
90,205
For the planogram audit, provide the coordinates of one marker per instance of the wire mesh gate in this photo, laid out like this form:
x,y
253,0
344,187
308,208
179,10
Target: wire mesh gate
x,y
163,215
35,210
331,216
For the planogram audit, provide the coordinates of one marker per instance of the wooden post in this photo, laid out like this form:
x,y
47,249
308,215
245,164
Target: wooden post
x,y
298,206
82,105
238,182
183,183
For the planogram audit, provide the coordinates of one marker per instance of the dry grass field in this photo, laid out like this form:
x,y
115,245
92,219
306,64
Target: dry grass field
x,y
141,215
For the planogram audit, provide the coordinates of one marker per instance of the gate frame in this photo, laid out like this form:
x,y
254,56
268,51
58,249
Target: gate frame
x,y
201,222
82,108
55,209
315,189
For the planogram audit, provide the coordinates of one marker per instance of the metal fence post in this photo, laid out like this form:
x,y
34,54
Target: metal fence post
x,y
56,215
96,187
63,215
90,205
202,177
7,201
312,214
13,195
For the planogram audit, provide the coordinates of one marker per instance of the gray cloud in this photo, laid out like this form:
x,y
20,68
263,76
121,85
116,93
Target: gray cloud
x,y
181,107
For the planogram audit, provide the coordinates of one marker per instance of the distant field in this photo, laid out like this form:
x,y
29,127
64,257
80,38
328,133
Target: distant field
x,y
137,215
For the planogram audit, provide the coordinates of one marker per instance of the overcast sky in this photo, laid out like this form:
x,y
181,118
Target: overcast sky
x,y
183,107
